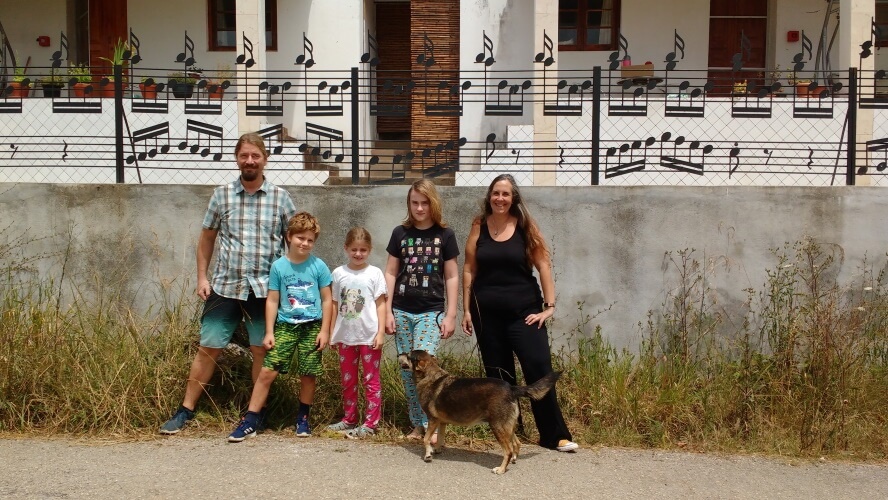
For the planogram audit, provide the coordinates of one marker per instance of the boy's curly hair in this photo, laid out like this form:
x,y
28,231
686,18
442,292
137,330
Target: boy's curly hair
x,y
303,221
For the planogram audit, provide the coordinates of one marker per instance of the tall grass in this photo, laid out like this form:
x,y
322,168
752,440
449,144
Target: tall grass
x,y
799,369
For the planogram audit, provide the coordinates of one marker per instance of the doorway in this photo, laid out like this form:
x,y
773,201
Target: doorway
x,y
393,72
107,24
737,28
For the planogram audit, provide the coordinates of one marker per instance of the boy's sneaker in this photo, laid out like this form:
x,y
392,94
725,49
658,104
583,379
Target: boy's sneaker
x,y
246,428
177,422
341,427
302,428
260,425
360,432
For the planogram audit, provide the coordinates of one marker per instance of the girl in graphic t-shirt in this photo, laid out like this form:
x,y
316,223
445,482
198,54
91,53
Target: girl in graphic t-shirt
x,y
422,277
358,324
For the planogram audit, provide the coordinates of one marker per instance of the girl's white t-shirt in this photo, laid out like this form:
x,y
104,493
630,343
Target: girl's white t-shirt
x,y
355,293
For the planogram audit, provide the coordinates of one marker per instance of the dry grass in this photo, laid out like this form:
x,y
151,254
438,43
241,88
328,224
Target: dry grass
x,y
803,375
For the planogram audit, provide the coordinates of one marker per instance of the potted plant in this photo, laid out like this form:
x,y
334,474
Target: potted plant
x,y
181,83
21,84
148,88
52,84
79,79
119,51
220,80
739,87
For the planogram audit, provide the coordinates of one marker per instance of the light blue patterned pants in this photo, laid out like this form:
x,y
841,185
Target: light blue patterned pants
x,y
416,332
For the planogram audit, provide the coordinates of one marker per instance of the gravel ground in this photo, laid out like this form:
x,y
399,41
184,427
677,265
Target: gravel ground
x,y
277,465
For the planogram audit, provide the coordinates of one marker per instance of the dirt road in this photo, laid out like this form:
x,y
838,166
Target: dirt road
x,y
280,466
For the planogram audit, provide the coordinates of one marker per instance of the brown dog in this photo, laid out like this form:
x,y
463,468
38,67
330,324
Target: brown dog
x,y
468,401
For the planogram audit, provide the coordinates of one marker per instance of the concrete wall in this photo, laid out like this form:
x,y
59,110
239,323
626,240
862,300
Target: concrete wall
x,y
609,243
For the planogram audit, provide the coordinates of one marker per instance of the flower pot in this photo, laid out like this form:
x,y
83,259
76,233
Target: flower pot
x,y
106,90
79,89
182,90
20,90
148,91
52,89
215,92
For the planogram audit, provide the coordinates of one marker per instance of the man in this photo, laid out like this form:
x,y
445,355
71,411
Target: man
x,y
250,217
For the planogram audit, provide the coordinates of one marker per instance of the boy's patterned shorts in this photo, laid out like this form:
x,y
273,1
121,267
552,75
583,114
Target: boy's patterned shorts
x,y
300,339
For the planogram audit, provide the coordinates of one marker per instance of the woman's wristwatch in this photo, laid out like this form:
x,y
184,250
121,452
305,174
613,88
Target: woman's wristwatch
x,y
547,305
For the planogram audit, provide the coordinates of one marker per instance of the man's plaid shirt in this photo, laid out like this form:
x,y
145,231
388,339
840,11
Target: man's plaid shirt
x,y
252,234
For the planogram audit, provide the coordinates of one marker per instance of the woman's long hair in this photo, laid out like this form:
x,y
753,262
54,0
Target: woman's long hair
x,y
535,245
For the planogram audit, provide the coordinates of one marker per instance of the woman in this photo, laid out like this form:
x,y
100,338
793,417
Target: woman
x,y
502,301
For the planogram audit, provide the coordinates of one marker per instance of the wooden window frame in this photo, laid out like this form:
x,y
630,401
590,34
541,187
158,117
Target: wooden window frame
x,y
212,28
581,45
881,22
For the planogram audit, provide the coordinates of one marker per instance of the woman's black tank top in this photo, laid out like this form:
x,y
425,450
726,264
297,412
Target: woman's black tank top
x,y
503,278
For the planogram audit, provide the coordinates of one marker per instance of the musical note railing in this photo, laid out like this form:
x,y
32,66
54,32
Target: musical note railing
x,y
613,125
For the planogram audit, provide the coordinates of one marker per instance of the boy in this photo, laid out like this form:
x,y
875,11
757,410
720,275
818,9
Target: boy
x,y
297,319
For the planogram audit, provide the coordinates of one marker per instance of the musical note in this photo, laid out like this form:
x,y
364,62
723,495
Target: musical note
x,y
873,146
733,155
272,132
632,165
14,150
269,109
427,58
799,59
490,141
65,151
450,150
147,133
187,57
548,46
63,50
368,57
624,46
328,109
134,45
745,48
444,105
689,165
517,154
202,128
570,108
328,134
679,46
487,48
307,48
248,48
510,108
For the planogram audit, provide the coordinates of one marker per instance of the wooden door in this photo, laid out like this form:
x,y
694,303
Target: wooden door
x,y
730,22
393,41
107,24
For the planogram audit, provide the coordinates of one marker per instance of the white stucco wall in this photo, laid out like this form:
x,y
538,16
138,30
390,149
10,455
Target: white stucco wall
x,y
25,20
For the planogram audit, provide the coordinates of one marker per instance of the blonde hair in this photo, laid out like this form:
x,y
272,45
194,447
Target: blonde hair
x,y
358,234
303,221
426,188
251,138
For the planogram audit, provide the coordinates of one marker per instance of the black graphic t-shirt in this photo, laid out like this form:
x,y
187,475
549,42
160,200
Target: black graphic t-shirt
x,y
419,285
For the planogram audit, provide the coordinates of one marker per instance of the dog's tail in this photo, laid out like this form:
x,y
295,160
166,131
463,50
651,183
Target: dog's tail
x,y
537,389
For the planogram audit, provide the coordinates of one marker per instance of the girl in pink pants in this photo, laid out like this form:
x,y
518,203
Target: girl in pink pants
x,y
358,334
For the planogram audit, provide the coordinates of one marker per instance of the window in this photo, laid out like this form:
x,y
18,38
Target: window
x,y
588,24
223,31
881,23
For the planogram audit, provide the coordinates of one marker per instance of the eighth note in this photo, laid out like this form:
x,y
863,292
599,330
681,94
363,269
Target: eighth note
x,y
491,139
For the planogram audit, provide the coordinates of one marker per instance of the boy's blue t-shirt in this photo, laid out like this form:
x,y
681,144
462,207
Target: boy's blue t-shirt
x,y
300,288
